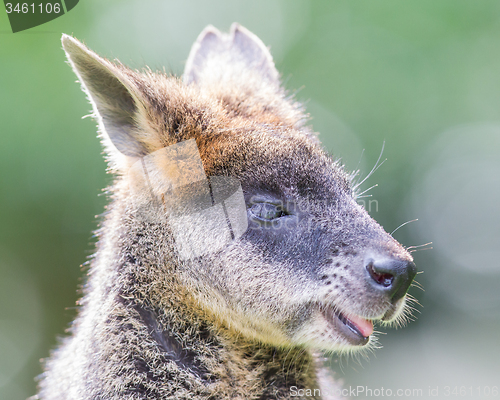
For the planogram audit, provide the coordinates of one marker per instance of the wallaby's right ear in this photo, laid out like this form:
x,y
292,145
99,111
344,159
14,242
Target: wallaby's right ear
x,y
115,97
218,58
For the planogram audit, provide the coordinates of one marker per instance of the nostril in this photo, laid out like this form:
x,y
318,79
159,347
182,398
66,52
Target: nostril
x,y
392,276
383,278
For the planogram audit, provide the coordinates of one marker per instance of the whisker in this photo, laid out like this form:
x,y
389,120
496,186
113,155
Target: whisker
x,y
418,285
375,167
418,246
357,170
358,196
413,300
415,250
403,224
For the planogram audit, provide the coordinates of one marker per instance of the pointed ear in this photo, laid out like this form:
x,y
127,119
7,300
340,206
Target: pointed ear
x,y
219,58
116,100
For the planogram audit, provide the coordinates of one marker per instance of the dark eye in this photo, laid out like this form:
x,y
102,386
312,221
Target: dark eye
x,y
267,211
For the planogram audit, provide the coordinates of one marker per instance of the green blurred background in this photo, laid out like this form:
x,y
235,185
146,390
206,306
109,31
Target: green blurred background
x,y
423,76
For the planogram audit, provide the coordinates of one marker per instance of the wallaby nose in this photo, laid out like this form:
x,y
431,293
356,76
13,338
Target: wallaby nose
x,y
391,275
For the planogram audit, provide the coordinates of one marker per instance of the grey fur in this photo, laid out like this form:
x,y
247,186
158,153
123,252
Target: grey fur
x,y
243,322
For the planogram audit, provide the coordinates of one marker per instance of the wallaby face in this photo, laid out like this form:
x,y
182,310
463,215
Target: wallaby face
x,y
231,231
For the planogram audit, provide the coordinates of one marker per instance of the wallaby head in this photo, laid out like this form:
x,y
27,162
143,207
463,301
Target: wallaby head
x,y
302,265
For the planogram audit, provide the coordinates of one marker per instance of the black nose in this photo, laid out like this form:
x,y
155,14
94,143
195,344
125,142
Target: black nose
x,y
391,275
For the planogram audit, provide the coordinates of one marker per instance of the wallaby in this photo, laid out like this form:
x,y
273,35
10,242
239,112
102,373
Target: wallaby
x,y
233,248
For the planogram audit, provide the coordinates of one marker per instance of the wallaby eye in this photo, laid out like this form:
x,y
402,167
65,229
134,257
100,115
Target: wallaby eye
x,y
267,211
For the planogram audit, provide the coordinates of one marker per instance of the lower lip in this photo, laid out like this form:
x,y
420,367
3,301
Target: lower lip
x,y
346,327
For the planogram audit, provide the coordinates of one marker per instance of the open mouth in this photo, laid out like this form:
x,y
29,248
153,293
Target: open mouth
x,y
356,330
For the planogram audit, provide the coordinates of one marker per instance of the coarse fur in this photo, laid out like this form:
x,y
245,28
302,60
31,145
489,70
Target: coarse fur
x,y
242,322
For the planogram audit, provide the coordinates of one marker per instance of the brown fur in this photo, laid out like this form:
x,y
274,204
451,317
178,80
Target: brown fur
x,y
240,323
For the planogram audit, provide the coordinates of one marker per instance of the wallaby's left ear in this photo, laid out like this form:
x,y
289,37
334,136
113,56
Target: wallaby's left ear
x,y
115,97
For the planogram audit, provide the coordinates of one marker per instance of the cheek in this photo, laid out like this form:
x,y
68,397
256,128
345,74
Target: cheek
x,y
251,296
251,282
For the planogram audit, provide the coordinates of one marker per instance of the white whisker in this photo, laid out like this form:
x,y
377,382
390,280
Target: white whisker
x,y
418,246
358,196
403,224
375,167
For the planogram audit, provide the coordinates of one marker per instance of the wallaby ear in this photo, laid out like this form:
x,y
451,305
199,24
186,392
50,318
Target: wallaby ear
x,y
219,58
115,98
